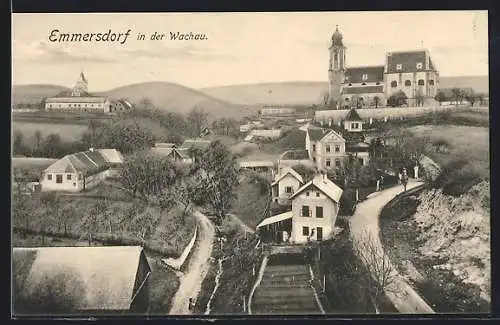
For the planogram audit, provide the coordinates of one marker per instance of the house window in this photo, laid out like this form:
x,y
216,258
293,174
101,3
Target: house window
x,y
431,82
337,147
314,147
399,67
49,177
305,231
317,194
319,212
394,84
421,82
337,162
288,189
407,83
68,177
419,65
328,163
364,77
59,179
305,211
307,193
328,148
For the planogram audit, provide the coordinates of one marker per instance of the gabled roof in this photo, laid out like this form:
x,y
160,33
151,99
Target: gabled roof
x,y
86,99
107,274
353,116
111,155
183,152
289,171
276,218
322,183
373,74
316,134
408,61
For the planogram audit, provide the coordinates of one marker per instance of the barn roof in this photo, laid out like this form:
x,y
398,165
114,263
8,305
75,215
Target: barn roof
x,y
111,155
76,99
276,218
85,161
295,155
107,274
329,188
195,143
362,90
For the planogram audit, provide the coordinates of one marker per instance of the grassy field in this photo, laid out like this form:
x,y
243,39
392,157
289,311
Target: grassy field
x,y
68,131
467,143
163,285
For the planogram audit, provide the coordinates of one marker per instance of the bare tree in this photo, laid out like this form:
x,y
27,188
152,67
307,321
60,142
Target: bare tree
x,y
380,272
198,119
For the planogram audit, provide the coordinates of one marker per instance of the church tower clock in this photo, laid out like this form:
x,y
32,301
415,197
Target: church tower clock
x,y
336,68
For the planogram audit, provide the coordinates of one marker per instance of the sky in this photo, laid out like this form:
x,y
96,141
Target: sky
x,y
239,48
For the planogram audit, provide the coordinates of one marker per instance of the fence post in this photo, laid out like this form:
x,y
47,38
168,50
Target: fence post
x,y
244,304
253,269
324,283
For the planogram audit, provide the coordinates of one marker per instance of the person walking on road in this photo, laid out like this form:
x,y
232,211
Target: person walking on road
x,y
405,179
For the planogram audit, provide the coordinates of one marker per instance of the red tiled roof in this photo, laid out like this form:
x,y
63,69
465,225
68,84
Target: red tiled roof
x,y
362,90
408,61
373,74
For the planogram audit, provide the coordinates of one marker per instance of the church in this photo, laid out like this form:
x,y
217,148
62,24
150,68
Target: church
x,y
412,72
79,100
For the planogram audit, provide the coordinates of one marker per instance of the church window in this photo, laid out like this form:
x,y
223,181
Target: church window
x,y
421,82
394,84
363,84
337,148
350,84
431,82
336,57
419,65
347,99
378,83
399,67
364,77
407,83
328,148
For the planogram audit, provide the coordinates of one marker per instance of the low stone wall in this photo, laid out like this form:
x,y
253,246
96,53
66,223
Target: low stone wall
x,y
177,263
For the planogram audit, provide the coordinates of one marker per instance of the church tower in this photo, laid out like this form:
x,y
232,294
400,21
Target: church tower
x,y
336,68
81,87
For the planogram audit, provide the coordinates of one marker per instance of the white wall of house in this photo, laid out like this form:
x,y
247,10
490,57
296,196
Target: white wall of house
x,y
302,226
330,151
351,126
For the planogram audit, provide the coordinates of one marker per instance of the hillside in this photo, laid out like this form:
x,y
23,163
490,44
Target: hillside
x,y
177,98
32,94
311,92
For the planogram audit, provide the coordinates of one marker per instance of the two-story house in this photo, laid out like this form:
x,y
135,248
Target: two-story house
x,y
315,207
330,148
285,185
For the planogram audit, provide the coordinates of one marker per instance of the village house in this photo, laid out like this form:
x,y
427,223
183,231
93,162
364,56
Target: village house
x,y
315,206
285,185
97,280
332,147
188,147
81,171
263,134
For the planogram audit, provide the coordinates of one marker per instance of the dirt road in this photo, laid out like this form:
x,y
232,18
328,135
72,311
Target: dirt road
x,y
365,223
191,280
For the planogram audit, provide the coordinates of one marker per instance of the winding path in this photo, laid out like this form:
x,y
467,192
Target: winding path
x,y
191,280
365,224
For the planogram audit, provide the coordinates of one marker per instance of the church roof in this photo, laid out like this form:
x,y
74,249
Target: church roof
x,y
337,37
408,61
353,116
373,74
362,90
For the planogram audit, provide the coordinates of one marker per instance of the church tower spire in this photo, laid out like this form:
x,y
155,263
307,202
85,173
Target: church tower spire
x,y
336,68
